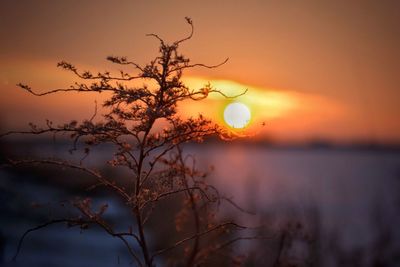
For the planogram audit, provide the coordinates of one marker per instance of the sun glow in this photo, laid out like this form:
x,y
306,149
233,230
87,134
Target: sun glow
x,y
237,115
272,113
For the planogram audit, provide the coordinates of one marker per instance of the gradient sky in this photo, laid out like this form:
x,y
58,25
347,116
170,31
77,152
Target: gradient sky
x,y
314,69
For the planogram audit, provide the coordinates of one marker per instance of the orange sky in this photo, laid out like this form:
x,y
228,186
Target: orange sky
x,y
313,69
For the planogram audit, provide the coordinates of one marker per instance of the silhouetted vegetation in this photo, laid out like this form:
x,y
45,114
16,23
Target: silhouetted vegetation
x,y
145,131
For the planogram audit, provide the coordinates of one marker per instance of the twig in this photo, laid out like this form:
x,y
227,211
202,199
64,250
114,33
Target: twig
x,y
101,179
157,253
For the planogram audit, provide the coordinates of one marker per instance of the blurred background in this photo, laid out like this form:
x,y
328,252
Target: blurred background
x,y
319,157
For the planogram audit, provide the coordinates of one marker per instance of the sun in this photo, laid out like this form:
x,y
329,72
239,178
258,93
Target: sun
x,y
237,115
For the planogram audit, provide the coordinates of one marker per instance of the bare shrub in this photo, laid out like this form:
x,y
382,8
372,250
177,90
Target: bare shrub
x,y
158,168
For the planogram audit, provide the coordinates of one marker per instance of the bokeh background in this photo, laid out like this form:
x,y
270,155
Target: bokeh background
x,y
322,147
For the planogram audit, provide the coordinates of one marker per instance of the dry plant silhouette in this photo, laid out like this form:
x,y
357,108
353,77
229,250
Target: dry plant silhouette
x,y
158,168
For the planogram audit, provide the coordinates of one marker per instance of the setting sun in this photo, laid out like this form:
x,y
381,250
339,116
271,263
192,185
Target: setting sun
x,y
237,115
190,133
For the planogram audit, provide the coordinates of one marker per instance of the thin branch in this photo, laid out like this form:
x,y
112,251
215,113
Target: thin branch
x,y
95,111
203,95
73,222
109,230
35,229
36,132
157,37
194,208
100,178
133,254
214,249
87,75
29,89
234,240
190,22
161,251
124,61
187,66
229,97
233,203
169,193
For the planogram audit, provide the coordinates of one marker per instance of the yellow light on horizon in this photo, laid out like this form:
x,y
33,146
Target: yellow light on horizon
x,y
287,113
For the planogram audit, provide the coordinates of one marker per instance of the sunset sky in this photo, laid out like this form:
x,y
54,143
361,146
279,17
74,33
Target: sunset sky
x,y
313,69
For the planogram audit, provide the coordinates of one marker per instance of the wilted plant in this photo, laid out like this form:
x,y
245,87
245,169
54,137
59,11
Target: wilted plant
x,y
146,132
